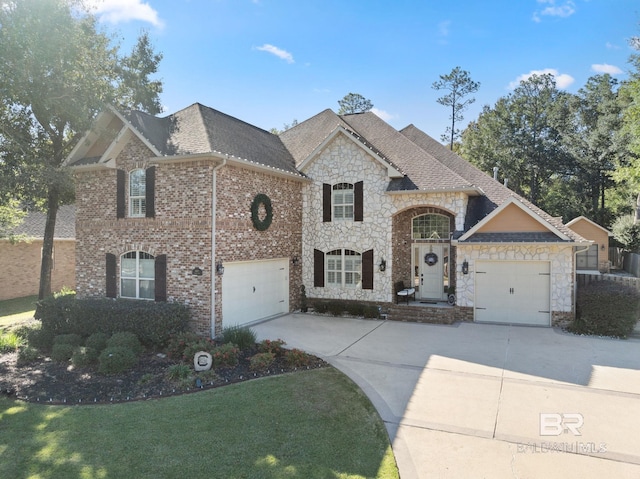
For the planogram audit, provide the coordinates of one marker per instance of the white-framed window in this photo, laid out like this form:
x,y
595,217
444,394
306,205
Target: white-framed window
x,y
343,200
137,193
137,275
430,226
343,268
588,259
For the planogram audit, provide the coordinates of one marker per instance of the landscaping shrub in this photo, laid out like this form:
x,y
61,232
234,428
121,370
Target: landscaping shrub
x,y
335,308
125,340
179,342
178,372
10,342
27,355
97,341
116,360
606,308
152,322
276,347
297,358
72,339
261,361
320,307
62,352
371,312
242,337
355,309
200,344
84,356
225,356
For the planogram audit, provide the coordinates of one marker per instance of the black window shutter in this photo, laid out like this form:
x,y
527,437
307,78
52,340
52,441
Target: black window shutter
x,y
121,200
161,277
150,192
318,268
357,201
326,203
112,280
367,269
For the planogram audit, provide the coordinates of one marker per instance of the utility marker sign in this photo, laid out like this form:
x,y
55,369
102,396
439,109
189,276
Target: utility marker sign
x,y
554,424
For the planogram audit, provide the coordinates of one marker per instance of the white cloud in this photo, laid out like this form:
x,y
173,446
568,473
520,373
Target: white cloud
x,y
553,9
116,11
443,28
606,68
386,116
285,55
612,46
563,80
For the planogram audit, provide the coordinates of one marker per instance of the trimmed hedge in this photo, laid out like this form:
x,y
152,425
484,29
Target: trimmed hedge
x,y
152,322
338,307
606,308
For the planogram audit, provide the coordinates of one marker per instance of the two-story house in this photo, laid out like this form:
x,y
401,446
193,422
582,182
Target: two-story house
x,y
202,208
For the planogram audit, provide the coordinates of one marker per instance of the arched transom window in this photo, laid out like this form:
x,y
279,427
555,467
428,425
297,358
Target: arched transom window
x,y
430,226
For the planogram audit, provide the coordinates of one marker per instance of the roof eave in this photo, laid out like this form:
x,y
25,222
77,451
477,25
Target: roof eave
x,y
471,191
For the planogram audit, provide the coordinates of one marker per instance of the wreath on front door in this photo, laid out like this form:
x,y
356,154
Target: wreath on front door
x,y
264,223
431,258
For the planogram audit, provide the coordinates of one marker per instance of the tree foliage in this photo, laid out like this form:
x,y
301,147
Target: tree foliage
x,y
354,103
459,85
58,71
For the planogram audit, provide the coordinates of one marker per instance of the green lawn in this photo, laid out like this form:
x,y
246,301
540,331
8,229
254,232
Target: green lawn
x,y
18,310
311,424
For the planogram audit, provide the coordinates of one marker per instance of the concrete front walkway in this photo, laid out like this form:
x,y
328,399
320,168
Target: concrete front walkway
x,y
465,401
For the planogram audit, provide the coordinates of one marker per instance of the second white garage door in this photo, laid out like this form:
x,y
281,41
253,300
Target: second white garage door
x,y
254,290
515,292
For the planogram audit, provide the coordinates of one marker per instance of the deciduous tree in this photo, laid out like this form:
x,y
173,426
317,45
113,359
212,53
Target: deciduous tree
x,y
58,71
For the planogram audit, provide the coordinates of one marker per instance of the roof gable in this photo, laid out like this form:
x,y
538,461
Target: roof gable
x,y
392,171
506,208
580,219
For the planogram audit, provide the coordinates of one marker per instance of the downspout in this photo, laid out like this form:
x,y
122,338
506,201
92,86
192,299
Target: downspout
x,y
575,277
213,245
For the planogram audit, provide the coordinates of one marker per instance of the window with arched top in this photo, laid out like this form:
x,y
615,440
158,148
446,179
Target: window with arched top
x,y
344,268
137,275
430,226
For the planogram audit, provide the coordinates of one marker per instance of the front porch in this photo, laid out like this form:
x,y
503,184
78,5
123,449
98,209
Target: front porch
x,y
427,312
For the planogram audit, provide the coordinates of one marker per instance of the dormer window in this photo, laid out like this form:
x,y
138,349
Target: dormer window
x,y
137,193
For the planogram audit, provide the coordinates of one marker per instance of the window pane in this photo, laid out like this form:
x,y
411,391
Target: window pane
x,y
128,268
128,288
147,289
137,183
147,268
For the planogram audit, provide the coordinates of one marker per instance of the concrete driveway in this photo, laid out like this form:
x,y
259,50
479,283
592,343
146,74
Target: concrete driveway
x,y
487,401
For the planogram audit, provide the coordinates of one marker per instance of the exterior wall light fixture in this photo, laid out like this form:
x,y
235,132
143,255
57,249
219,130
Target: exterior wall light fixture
x,y
383,265
219,268
465,267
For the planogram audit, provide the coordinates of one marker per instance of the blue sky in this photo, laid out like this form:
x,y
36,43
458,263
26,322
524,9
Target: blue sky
x,y
269,62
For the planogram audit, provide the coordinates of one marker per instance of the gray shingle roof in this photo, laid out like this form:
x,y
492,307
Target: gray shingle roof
x,y
33,224
533,237
495,192
200,129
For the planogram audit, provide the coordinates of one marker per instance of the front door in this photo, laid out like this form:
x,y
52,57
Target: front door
x,y
431,270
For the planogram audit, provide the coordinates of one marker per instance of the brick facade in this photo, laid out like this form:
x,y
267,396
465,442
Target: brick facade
x,y
20,267
182,227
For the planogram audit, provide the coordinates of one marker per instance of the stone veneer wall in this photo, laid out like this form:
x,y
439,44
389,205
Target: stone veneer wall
x,y
344,161
562,287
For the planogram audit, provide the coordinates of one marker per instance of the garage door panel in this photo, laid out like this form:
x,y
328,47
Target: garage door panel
x,y
254,290
513,292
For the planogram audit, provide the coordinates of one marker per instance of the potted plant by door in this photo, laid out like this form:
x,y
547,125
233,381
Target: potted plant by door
x,y
303,299
451,295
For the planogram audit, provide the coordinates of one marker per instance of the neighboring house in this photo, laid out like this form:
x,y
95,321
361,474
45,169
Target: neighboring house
x,y
20,260
596,258
203,208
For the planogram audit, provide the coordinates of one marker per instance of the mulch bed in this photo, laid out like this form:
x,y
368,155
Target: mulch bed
x,y
46,381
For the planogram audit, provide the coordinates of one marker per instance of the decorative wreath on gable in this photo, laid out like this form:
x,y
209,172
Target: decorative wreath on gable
x,y
264,223
431,258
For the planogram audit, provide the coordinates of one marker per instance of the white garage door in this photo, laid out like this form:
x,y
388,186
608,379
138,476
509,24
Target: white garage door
x,y
515,292
254,290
